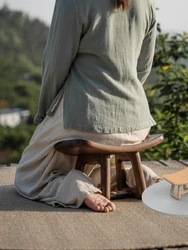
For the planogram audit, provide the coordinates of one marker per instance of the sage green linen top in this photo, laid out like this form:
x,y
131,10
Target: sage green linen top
x,y
98,58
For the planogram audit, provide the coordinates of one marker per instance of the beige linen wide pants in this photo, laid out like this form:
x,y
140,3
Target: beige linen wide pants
x,y
46,175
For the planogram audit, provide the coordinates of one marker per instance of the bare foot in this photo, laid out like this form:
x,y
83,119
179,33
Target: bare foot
x,y
99,203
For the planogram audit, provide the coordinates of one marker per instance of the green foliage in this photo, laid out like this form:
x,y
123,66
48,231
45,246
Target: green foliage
x,y
21,36
169,97
22,42
171,50
15,139
17,91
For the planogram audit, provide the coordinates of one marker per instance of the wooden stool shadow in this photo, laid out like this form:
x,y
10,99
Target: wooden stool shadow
x,y
90,152
179,179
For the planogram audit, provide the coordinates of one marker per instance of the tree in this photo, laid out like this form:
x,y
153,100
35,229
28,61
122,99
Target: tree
x,y
169,97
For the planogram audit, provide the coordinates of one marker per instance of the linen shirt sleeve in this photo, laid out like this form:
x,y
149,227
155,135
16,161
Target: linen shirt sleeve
x,y
60,51
145,59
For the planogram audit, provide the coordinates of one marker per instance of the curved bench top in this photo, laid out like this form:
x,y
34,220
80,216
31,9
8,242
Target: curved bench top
x,y
86,147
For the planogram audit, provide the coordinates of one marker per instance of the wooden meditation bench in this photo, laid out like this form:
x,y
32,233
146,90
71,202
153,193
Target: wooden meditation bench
x,y
179,179
90,152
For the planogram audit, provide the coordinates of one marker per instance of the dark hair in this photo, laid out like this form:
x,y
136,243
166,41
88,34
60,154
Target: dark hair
x,y
123,4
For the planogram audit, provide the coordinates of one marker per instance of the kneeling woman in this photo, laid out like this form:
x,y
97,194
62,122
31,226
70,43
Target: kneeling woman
x,y
97,57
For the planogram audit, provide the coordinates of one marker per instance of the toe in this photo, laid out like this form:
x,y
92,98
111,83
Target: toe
x,y
113,206
108,209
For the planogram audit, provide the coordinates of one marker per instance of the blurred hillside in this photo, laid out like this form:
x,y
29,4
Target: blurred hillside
x,y
22,42
21,36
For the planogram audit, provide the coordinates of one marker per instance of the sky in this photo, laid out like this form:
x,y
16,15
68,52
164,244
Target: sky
x,y
172,14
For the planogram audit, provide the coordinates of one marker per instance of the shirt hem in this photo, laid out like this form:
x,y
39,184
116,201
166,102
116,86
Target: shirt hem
x,y
110,130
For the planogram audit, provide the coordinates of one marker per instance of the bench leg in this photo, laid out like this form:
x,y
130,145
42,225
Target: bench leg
x,y
80,163
120,174
172,191
104,161
179,193
105,175
138,173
